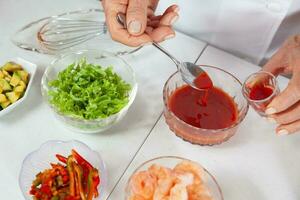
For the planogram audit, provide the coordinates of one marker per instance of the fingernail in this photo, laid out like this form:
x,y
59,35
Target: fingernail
x,y
283,132
169,37
135,26
270,111
177,9
174,20
271,120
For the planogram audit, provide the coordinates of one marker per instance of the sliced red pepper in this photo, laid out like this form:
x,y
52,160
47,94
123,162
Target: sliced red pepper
x,y
93,182
61,158
78,175
46,189
96,180
90,186
71,175
81,161
71,198
86,168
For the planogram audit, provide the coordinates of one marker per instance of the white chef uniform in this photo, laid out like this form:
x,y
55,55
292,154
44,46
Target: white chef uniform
x,y
251,29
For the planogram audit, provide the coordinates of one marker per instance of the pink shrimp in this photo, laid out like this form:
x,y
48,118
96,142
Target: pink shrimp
x,y
143,185
198,192
190,167
178,192
163,188
137,197
159,172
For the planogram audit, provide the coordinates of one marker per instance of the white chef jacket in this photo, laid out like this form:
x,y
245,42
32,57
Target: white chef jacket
x,y
250,29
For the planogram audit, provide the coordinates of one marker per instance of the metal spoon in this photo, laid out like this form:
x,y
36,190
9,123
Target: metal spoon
x,y
189,71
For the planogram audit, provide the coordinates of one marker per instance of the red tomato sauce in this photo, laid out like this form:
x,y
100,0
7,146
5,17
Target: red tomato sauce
x,y
203,81
210,109
260,92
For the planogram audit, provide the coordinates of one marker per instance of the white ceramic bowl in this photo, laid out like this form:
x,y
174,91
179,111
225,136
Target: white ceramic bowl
x,y
31,69
40,160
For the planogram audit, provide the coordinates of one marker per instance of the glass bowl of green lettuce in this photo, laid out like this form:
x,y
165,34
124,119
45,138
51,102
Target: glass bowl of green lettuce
x,y
89,90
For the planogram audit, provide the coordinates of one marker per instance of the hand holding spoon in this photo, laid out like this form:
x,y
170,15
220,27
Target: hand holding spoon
x,y
191,73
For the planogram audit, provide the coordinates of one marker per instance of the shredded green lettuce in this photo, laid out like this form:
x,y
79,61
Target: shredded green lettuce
x,y
88,91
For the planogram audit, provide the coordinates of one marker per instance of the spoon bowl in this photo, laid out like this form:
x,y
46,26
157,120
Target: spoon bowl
x,y
190,72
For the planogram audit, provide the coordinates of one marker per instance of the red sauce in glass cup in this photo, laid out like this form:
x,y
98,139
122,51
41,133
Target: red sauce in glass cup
x,y
260,92
261,96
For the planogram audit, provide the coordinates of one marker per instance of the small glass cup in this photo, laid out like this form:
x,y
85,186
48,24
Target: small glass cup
x,y
260,89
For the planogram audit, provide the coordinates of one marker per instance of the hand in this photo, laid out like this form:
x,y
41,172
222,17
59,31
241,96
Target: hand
x,y
285,108
143,26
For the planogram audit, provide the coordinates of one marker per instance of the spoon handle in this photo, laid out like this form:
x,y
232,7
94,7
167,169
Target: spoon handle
x,y
177,62
121,18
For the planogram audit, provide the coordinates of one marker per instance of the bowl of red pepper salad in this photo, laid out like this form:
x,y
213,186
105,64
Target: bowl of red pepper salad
x,y
61,170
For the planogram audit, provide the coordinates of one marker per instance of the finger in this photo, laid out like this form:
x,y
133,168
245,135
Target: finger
x,y
156,17
120,34
288,128
149,30
288,116
136,17
154,23
134,41
169,19
110,3
285,99
294,62
162,33
172,8
291,94
153,4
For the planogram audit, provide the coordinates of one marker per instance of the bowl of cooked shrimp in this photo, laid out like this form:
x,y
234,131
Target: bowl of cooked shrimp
x,y
172,178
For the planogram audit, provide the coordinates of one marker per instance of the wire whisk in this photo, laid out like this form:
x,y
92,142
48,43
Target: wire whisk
x,y
63,33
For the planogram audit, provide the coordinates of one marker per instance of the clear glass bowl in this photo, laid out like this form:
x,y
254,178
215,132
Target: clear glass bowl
x,y
101,58
221,79
26,37
170,162
40,160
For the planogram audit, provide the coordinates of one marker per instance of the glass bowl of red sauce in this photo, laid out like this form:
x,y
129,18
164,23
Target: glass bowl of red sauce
x,y
205,117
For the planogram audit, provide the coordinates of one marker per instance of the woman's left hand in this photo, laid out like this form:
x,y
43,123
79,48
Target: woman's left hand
x,y
285,108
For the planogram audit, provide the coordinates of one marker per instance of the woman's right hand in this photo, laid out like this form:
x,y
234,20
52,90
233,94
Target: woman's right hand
x,y
143,26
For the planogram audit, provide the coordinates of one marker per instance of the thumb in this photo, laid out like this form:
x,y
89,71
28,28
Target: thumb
x,y
291,94
136,16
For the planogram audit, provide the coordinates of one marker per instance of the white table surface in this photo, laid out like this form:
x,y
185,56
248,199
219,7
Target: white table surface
x,y
254,164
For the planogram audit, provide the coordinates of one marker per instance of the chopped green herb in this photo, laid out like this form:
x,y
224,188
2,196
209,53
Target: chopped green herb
x,y
88,91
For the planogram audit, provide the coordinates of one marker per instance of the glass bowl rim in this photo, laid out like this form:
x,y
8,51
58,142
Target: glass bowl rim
x,y
132,93
51,17
173,157
262,100
103,173
208,131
